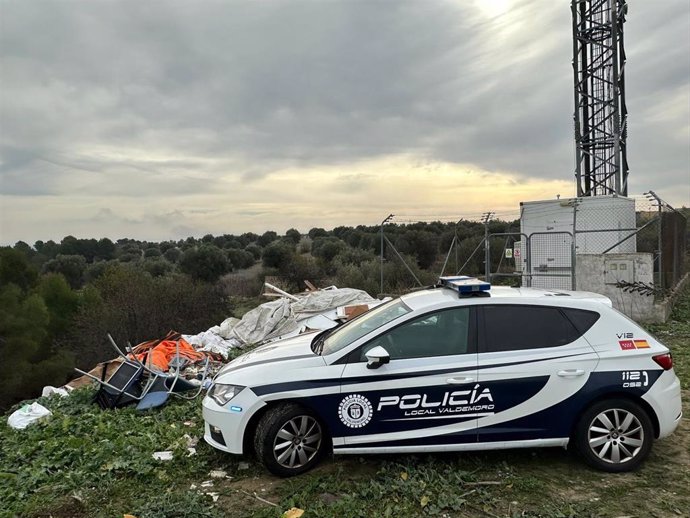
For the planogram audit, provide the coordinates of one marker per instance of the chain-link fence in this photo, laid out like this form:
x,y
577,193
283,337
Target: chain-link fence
x,y
548,259
552,260
545,254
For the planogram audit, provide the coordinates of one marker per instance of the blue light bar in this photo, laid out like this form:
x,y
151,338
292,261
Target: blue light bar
x,y
464,285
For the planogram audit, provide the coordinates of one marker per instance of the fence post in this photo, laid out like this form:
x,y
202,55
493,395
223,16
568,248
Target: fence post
x,y
661,244
573,264
487,247
573,259
651,195
386,220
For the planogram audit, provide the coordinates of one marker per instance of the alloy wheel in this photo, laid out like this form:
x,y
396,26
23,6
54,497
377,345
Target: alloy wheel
x,y
615,435
297,441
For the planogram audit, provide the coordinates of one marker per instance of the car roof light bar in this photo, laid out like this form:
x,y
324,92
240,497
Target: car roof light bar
x,y
465,285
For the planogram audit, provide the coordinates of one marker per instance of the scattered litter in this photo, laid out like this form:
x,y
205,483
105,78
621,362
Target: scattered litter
x,y
128,516
191,441
242,466
189,423
207,483
163,455
213,495
192,486
294,512
49,390
218,473
27,415
191,444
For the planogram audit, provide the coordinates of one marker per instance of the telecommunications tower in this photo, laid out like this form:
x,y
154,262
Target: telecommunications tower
x,y
600,113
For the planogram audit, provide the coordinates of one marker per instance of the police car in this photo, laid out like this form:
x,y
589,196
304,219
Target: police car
x,y
457,367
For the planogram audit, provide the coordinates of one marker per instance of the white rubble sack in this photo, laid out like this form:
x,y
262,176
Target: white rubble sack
x,y
26,415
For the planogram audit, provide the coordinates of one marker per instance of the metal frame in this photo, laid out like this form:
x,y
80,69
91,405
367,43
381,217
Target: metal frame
x,y
572,256
153,375
601,165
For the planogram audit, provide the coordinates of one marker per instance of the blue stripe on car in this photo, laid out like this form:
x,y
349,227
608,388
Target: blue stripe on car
x,y
289,386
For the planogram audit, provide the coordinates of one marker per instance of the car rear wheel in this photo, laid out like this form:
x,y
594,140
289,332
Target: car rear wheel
x,y
615,435
289,440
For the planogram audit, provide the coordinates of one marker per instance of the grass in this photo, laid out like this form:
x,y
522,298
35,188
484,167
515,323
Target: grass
x,y
84,462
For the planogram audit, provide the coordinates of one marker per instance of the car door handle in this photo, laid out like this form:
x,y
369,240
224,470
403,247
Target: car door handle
x,y
459,381
568,373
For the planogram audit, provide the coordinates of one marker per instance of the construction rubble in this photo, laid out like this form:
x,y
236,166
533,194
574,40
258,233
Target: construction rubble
x,y
184,365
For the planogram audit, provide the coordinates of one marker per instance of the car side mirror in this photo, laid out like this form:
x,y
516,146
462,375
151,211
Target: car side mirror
x,y
376,357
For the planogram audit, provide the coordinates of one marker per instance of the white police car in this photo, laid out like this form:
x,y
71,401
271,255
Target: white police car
x,y
437,370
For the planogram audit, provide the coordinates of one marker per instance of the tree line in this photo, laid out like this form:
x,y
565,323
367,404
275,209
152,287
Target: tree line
x,y
58,300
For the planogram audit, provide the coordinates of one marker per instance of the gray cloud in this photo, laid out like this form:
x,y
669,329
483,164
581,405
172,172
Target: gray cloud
x,y
155,99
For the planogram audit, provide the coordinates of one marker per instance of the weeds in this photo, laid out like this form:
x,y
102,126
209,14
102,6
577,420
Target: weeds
x,y
86,462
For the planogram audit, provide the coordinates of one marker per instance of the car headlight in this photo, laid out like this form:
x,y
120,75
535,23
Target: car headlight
x,y
221,393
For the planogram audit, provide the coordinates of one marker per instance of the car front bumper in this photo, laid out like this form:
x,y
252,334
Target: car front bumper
x,y
224,426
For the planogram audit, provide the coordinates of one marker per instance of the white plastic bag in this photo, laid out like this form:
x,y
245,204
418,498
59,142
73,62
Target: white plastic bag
x,y
49,390
26,415
163,455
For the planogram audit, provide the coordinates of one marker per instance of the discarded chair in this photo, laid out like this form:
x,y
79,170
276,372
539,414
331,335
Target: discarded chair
x,y
137,381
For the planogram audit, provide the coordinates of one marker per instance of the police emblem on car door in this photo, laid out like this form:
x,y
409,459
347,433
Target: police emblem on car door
x,y
419,376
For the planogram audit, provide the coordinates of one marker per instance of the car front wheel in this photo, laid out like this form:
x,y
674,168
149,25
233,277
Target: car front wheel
x,y
615,435
289,440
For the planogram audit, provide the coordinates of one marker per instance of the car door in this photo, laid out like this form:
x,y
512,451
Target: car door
x,y
422,397
533,361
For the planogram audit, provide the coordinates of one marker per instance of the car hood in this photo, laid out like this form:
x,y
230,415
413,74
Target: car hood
x,y
292,353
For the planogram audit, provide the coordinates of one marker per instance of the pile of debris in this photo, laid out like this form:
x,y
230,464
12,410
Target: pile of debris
x,y
183,365
289,315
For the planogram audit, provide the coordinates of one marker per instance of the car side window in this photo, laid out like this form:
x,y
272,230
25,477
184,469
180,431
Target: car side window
x,y
441,333
510,327
582,319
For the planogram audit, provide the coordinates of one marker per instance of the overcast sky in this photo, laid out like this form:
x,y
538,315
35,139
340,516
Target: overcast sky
x,y
164,119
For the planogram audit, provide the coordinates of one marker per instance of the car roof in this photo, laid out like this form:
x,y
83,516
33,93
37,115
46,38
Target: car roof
x,y
504,294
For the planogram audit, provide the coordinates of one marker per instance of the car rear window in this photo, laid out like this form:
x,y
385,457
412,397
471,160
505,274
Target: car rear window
x,y
510,327
582,319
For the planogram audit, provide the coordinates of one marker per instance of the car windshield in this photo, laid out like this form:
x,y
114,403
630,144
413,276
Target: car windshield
x,y
364,324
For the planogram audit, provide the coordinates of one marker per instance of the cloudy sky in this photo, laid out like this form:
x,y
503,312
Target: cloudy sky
x,y
164,119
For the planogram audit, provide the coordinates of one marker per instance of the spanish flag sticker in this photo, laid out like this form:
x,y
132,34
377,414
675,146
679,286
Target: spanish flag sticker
x,y
641,344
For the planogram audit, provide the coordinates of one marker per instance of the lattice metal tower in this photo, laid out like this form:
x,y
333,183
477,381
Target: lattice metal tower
x,y
600,112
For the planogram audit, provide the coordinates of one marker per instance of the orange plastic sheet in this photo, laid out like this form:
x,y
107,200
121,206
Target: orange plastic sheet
x,y
158,353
